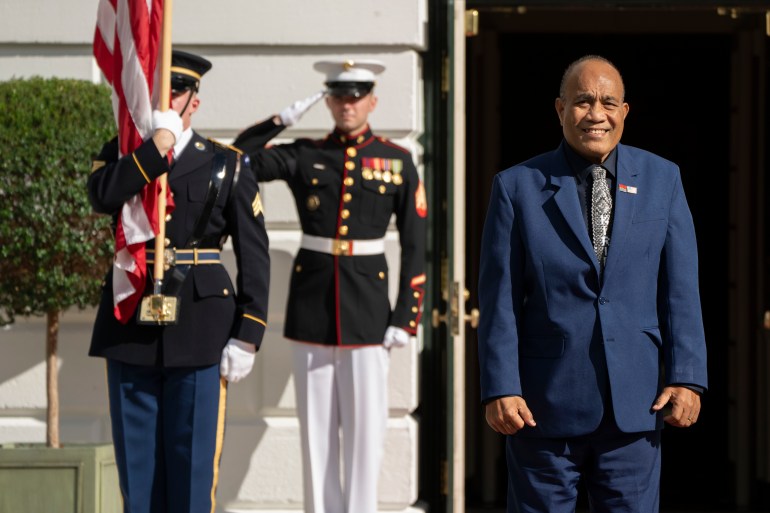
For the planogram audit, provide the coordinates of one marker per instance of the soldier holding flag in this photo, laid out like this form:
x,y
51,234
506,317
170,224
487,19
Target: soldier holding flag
x,y
167,381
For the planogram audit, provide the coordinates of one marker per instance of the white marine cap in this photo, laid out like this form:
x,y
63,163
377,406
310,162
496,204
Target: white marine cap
x,y
350,77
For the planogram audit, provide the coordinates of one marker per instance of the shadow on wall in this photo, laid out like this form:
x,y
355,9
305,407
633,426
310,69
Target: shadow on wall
x,y
82,382
261,433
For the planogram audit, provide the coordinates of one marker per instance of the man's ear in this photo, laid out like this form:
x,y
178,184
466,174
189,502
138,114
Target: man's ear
x,y
559,110
194,103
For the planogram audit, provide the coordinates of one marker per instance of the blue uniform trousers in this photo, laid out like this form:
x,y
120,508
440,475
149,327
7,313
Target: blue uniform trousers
x,y
167,428
621,472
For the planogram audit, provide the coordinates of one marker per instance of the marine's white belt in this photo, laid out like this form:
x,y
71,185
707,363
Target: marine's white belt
x,y
342,247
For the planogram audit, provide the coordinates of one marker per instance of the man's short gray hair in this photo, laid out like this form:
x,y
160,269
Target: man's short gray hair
x,y
578,62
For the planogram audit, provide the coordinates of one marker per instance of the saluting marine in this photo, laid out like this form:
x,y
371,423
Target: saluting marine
x,y
347,187
167,399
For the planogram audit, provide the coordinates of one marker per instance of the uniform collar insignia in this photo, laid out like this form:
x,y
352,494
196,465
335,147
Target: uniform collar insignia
x,y
354,140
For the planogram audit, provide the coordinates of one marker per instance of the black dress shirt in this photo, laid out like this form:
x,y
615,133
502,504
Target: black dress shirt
x,y
584,181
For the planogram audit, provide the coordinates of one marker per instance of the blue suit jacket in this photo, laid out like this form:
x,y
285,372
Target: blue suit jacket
x,y
551,332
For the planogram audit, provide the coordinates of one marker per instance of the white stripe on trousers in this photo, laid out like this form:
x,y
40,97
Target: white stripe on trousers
x,y
341,392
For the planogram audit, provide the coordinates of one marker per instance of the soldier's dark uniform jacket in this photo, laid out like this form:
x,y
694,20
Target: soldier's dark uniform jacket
x,y
347,189
211,309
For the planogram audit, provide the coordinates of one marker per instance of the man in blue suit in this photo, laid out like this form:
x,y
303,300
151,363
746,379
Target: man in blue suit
x,y
591,324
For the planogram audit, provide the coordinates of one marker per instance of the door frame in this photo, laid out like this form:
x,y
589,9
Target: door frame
x,y
749,355
442,472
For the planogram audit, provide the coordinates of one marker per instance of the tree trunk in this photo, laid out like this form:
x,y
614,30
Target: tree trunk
x,y
52,378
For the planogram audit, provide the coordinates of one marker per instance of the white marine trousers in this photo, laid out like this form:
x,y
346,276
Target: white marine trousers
x,y
341,393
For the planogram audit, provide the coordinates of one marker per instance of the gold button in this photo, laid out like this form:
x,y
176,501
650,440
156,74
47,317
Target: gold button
x,y
345,214
298,268
412,324
343,230
347,197
167,242
381,275
350,165
168,218
415,309
349,181
313,202
226,292
383,189
352,152
417,295
314,181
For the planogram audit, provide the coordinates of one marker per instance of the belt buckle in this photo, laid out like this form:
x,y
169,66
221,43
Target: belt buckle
x,y
169,257
341,247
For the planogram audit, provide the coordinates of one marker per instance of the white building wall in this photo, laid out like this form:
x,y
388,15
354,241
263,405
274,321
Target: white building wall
x,y
262,53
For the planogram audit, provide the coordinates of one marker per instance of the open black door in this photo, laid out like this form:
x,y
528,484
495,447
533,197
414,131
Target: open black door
x,y
696,81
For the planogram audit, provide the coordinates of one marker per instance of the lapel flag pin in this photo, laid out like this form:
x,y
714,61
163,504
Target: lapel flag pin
x,y
627,188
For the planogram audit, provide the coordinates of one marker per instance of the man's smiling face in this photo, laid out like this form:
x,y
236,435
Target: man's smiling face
x,y
591,109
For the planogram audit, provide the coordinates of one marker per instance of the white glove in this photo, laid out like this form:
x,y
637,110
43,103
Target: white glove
x,y
169,120
237,360
293,112
395,337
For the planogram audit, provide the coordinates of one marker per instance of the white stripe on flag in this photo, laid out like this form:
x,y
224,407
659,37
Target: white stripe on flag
x,y
136,224
105,22
133,79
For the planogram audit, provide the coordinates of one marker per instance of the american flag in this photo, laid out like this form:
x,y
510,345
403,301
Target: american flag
x,y
126,46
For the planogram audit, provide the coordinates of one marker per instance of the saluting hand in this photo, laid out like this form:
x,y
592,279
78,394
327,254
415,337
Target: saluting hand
x,y
296,110
685,405
507,415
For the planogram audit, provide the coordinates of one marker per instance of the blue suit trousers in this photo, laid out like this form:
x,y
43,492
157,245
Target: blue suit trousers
x,y
167,428
620,471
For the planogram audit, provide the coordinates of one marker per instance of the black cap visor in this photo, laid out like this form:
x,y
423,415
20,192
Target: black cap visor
x,y
354,89
181,83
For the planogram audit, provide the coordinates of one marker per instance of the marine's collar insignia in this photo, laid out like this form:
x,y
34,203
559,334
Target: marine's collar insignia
x,y
199,146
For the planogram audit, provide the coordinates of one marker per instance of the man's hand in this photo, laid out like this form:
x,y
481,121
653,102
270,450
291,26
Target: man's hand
x,y
507,415
167,128
294,112
237,360
395,337
685,406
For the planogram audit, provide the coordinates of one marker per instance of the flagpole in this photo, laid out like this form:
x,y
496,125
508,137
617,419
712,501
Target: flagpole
x,y
164,100
158,308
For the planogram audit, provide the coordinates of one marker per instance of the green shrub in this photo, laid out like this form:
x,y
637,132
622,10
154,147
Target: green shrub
x,y
53,249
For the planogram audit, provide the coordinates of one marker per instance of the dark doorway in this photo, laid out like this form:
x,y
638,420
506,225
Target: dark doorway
x,y
679,88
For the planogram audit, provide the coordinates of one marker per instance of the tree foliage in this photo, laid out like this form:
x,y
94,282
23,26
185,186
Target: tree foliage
x,y
53,248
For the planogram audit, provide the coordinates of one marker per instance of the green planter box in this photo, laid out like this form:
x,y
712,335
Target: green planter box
x,y
72,479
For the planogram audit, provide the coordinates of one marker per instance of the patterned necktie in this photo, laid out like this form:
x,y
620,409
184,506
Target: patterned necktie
x,y
601,209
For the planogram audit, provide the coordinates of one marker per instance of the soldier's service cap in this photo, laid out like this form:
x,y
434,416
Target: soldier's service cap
x,y
350,77
187,70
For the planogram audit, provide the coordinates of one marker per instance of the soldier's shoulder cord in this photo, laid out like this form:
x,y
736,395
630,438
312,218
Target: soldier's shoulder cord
x,y
224,146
